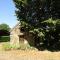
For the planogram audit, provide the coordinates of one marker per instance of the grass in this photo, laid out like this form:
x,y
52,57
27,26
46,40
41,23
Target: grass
x,y
23,54
6,46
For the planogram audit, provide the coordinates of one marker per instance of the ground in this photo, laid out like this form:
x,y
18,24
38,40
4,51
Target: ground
x,y
28,55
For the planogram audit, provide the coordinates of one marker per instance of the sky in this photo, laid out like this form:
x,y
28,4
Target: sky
x,y
7,13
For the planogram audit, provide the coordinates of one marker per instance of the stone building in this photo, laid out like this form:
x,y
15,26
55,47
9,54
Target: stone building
x,y
18,35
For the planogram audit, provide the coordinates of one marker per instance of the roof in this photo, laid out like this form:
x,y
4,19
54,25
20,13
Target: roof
x,y
15,26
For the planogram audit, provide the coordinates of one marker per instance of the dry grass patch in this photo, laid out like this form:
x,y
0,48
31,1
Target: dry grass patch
x,y
29,55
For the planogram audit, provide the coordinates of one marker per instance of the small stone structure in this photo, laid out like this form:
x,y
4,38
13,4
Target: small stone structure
x,y
17,36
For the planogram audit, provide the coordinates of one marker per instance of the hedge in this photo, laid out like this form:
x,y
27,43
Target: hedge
x,y
4,38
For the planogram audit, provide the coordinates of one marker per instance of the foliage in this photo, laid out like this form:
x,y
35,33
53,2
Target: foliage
x,y
4,27
42,18
4,38
4,33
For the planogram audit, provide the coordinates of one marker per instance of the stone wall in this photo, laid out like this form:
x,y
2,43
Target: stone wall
x,y
15,38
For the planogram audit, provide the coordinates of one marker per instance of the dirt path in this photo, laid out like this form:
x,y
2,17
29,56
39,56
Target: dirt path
x,y
29,55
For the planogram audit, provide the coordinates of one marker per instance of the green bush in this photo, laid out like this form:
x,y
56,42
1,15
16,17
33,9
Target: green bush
x,y
4,38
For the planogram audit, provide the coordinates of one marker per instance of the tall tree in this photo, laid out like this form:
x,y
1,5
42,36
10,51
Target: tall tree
x,y
4,26
41,17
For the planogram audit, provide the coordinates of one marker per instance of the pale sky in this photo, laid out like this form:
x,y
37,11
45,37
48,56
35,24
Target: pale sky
x,y
7,12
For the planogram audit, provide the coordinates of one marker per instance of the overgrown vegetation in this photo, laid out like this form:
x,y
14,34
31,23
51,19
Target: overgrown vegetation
x,y
7,46
42,18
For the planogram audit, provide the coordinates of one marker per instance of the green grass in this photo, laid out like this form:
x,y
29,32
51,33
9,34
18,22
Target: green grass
x,y
7,46
4,38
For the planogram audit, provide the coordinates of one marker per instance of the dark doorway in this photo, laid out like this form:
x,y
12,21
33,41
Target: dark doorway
x,y
21,38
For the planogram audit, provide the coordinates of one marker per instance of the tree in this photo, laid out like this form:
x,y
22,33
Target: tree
x,y
42,18
4,27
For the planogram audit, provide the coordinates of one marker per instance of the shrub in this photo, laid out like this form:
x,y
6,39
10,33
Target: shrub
x,y
4,38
